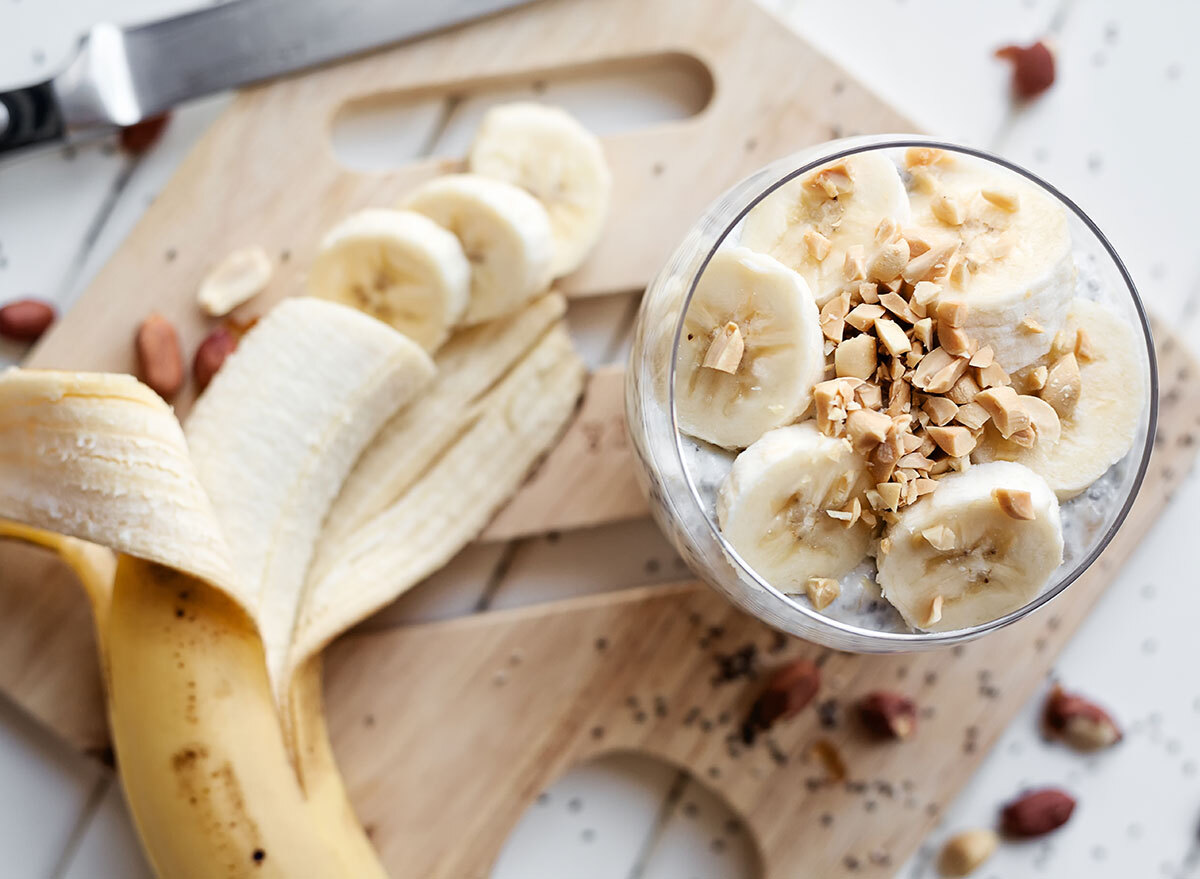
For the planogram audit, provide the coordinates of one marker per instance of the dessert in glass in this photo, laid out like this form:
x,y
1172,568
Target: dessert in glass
x,y
891,393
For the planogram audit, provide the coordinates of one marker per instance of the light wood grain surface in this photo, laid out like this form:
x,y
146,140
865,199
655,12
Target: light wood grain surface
x,y
1125,72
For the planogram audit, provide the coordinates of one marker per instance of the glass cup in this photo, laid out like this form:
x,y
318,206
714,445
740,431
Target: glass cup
x,y
685,512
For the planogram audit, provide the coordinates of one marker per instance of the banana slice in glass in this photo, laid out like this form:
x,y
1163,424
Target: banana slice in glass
x,y
773,506
811,223
750,350
1099,385
981,546
996,243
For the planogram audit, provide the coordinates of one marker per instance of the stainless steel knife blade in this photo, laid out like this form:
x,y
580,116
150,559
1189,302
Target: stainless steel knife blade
x,y
120,76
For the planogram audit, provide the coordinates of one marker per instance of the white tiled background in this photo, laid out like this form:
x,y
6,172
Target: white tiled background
x,y
1116,132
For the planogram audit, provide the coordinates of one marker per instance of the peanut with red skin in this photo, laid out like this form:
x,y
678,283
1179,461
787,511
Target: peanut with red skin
x,y
25,320
1080,723
211,354
160,361
789,689
1036,813
888,715
1033,68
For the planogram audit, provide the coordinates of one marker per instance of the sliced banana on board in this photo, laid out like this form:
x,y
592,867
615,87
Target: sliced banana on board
x,y
504,232
750,350
398,266
1005,251
1102,425
772,507
981,546
811,223
548,153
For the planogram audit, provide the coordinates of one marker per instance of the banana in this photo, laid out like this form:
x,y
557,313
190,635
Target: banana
x,y
504,232
398,266
201,753
1101,426
504,434
750,350
812,222
981,546
773,506
468,367
545,151
273,454
1003,247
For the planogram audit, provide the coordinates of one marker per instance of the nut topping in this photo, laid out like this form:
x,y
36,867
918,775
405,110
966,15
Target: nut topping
x,y
725,352
822,591
856,357
1003,199
947,209
1015,504
1063,385
817,244
1005,409
934,615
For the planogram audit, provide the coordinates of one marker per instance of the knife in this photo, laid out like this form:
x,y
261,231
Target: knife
x,y
119,76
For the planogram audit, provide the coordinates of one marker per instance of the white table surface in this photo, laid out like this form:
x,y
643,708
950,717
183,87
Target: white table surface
x,y
1117,132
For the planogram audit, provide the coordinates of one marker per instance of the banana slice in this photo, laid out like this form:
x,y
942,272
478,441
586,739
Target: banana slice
x,y
1005,248
981,546
398,266
811,222
504,232
1103,424
545,151
750,350
772,508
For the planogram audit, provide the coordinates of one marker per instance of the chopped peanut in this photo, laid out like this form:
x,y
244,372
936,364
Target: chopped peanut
x,y
1063,385
954,441
855,266
817,244
952,314
1005,408
947,209
892,336
888,262
862,317
725,352
941,410
822,591
867,428
856,357
983,357
940,537
1002,198
1015,504
972,416
1084,349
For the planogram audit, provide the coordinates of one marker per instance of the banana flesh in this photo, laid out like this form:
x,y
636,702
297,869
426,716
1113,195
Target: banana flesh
x,y
773,507
272,455
811,223
504,232
750,350
398,266
1102,425
546,152
227,764
957,559
1010,259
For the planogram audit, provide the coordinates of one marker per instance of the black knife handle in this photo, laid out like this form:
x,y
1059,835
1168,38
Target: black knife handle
x,y
29,116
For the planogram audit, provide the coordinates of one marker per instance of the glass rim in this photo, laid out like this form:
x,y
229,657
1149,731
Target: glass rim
x,y
918,640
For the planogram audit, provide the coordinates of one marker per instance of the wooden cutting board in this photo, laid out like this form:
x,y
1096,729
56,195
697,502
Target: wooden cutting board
x,y
572,679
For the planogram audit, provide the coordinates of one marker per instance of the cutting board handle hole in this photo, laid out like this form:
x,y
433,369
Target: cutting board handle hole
x,y
685,820
383,131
